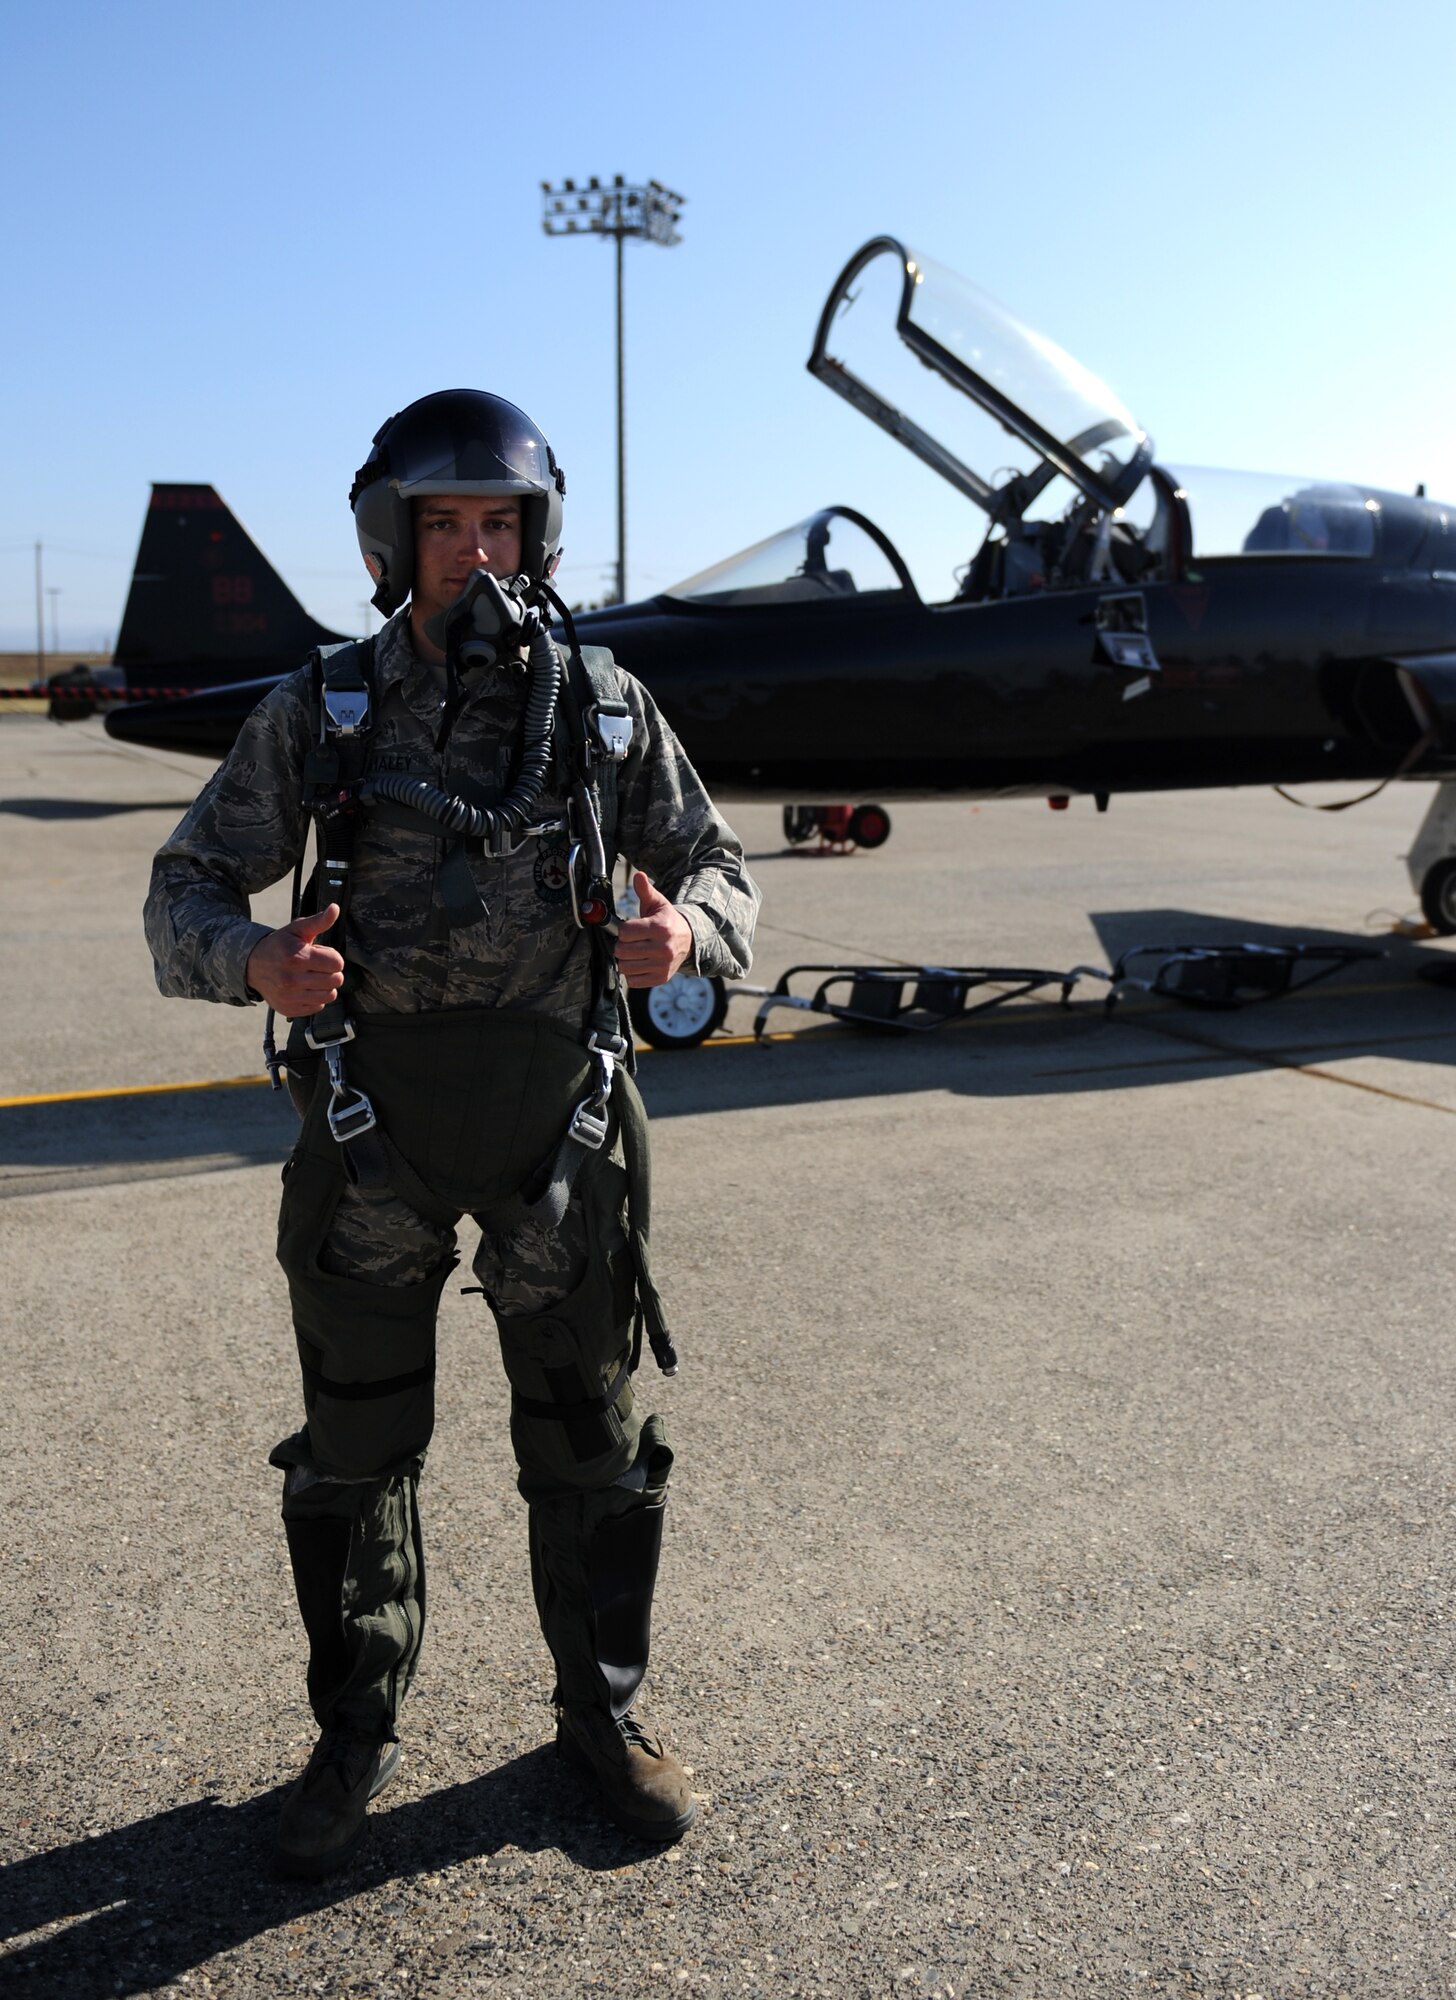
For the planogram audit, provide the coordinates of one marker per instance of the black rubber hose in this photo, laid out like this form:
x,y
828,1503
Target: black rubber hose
x,y
453,814
509,819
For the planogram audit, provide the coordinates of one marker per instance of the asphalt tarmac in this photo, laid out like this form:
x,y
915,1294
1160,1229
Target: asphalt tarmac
x,y
1055,1598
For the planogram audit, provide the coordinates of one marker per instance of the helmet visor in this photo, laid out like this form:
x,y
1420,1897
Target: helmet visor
x,y
467,443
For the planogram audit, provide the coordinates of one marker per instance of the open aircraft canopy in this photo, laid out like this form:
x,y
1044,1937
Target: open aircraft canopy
x,y
1033,388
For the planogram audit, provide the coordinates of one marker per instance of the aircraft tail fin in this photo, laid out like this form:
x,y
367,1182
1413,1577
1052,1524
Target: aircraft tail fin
x,y
205,604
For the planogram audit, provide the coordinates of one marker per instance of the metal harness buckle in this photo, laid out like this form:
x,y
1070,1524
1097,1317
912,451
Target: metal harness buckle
x,y
589,1124
502,847
346,711
613,1046
328,1042
351,1114
591,1118
352,1120
612,721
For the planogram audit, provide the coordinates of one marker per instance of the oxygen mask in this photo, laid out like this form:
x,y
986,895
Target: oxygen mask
x,y
489,622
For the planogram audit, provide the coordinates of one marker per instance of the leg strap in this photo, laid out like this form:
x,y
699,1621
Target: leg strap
x,y
586,1406
637,1153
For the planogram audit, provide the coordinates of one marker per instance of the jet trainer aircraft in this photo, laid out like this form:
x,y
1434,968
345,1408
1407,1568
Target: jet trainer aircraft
x,y
1121,625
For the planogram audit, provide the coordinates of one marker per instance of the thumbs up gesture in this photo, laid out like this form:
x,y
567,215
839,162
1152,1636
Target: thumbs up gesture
x,y
656,943
292,973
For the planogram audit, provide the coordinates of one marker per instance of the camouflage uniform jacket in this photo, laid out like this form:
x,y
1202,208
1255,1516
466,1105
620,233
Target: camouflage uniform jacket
x,y
248,826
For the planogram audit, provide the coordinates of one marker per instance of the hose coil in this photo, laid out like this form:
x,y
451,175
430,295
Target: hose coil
x,y
502,825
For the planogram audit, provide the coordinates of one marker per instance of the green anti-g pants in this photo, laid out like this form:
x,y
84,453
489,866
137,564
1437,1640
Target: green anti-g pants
x,y
366,1272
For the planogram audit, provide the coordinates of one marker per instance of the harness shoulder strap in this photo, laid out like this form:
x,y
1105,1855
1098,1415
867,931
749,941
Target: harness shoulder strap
x,y
598,728
602,686
342,714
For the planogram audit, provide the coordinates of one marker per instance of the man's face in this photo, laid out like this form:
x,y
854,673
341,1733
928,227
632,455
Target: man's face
x,y
454,534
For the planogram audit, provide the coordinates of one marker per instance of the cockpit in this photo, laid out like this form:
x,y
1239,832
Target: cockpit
x,y
1042,447
1075,496
1058,466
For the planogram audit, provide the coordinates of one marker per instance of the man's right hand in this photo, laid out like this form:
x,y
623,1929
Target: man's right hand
x,y
292,973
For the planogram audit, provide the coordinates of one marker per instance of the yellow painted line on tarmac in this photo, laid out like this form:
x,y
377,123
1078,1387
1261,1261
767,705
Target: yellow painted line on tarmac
x,y
995,1018
130,1090
737,1041
242,1082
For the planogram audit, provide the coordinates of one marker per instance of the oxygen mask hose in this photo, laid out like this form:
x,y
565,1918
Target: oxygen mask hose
x,y
499,827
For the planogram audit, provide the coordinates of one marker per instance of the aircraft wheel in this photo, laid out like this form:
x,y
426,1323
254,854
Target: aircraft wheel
x,y
869,826
1438,897
801,823
680,1014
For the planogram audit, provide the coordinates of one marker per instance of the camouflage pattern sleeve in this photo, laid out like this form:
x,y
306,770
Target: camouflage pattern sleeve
x,y
669,827
245,829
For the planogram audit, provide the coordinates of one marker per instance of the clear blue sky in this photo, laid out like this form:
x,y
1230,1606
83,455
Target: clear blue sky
x,y
240,237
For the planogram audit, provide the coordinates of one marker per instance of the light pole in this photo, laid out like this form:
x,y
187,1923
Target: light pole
x,y
618,209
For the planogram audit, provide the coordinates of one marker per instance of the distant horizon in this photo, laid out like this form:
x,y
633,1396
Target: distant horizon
x,y
18,644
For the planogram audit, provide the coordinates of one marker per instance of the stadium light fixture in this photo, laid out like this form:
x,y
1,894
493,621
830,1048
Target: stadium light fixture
x,y
617,208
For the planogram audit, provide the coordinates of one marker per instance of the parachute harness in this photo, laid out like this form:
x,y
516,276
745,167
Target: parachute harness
x,y
580,715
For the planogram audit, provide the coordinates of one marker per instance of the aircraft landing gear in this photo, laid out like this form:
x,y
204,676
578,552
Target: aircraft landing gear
x,y
838,828
679,1014
1438,898
1432,861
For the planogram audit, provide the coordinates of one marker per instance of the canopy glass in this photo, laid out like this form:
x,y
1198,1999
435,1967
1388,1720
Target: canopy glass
x,y
1033,390
836,553
1273,514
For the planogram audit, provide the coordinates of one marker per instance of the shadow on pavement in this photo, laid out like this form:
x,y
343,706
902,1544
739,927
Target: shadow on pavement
x,y
1118,930
1035,1047
166,1894
113,1138
88,808
1029,1048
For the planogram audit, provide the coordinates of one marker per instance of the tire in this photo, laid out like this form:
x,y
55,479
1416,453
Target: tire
x,y
869,826
680,1014
801,823
1438,897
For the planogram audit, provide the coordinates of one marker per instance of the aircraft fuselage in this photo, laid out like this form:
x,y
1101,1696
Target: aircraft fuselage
x,y
1267,672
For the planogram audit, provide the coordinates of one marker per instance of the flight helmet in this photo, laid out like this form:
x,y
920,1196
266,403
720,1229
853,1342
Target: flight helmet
x,y
456,441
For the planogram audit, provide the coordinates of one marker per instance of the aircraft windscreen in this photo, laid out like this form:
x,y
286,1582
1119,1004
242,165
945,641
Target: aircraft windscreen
x,y
1045,382
1268,514
828,556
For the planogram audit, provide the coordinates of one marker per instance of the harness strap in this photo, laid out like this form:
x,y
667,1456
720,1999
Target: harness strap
x,y
589,682
372,1160
548,1209
566,1413
637,1153
363,1392
341,699
460,899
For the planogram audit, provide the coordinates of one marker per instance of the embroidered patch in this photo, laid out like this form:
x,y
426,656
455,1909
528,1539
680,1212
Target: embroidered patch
x,y
553,883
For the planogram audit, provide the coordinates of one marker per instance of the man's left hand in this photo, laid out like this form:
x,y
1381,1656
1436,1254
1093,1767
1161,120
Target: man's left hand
x,y
657,943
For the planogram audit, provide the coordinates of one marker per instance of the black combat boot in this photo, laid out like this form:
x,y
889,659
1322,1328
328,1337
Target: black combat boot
x,y
322,1821
642,1784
